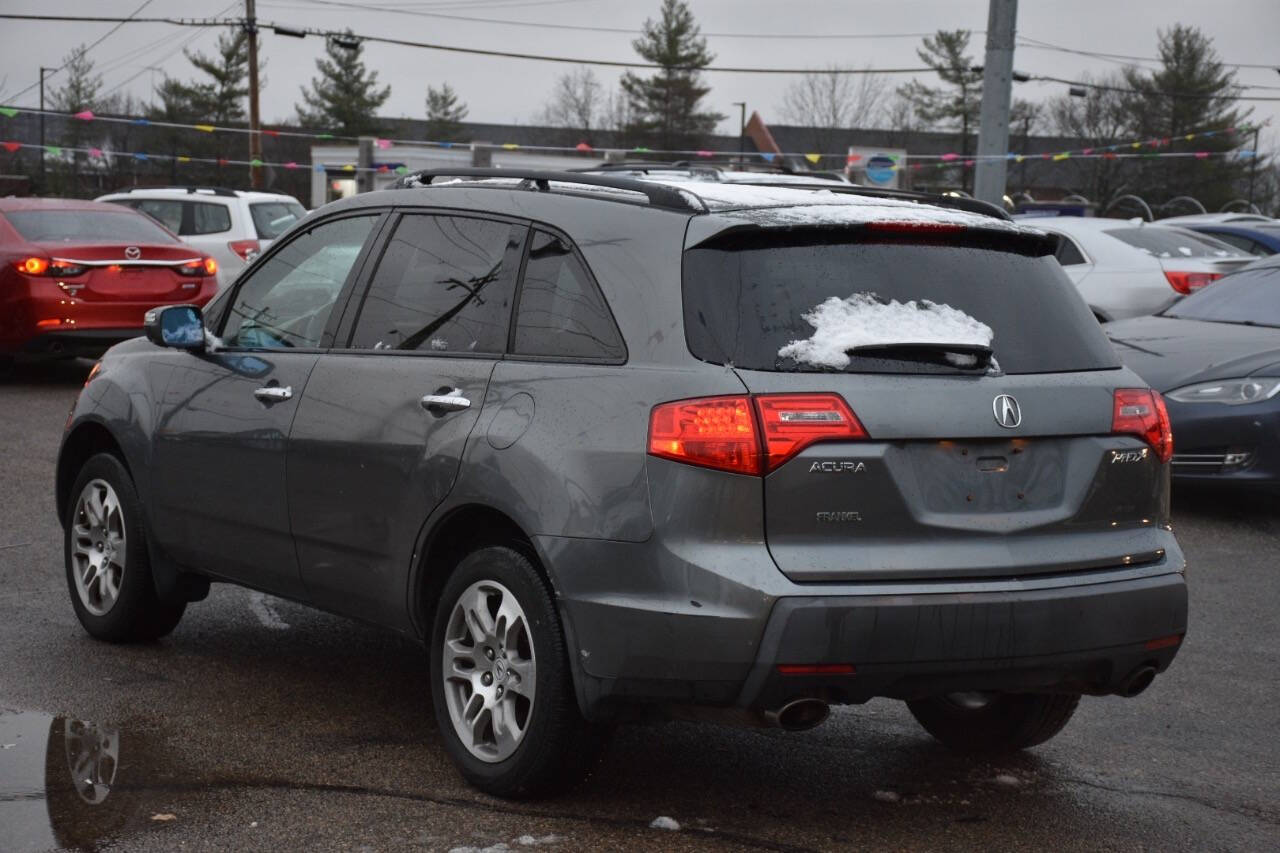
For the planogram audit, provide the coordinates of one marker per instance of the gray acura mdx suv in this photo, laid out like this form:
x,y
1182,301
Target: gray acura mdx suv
x,y
616,448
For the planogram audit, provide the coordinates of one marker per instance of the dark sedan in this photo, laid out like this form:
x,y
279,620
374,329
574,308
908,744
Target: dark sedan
x,y
1216,357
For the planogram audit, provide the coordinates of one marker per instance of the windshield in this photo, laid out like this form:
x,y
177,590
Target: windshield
x,y
87,226
1249,297
818,301
1174,243
273,218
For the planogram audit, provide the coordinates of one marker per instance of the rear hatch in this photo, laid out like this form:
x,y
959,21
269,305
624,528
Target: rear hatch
x,y
128,273
984,389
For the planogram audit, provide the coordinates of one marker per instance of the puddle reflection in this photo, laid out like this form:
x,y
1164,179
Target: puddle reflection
x,y
61,782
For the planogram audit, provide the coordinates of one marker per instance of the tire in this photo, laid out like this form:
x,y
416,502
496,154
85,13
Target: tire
x,y
1001,722
114,597
547,746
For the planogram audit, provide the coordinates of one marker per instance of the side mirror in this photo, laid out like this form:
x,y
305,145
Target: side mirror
x,y
179,326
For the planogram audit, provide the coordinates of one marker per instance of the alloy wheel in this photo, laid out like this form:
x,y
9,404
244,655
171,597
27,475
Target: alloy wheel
x,y
489,671
98,546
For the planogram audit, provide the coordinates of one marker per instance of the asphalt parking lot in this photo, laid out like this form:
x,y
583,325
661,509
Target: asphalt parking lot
x,y
260,724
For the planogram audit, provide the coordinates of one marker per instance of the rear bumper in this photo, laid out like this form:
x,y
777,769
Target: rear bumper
x,y
1084,639
649,626
86,343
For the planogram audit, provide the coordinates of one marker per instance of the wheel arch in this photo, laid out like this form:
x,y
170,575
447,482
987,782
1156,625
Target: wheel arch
x,y
86,439
458,530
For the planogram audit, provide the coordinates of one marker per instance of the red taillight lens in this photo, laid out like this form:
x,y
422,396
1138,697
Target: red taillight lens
x,y
32,266
1141,412
909,227
792,422
725,432
1185,282
714,432
246,249
210,266
816,669
66,269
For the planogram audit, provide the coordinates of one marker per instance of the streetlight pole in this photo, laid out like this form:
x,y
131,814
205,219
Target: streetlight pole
x,y
742,131
42,74
255,138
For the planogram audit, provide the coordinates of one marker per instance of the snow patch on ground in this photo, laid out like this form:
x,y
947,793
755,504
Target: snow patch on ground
x,y
532,841
664,822
887,796
863,320
1008,780
265,610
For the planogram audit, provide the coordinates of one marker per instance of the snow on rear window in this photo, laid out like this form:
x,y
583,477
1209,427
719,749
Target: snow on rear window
x,y
863,320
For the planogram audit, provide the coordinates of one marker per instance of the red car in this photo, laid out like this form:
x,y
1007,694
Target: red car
x,y
77,276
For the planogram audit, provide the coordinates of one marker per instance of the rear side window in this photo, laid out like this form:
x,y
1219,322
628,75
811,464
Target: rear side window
x,y
444,284
167,213
562,312
87,226
1172,243
748,297
1250,296
273,218
208,218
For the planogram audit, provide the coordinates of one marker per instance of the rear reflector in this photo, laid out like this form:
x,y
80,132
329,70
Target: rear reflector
x,y
713,432
1163,642
792,422
1141,412
749,435
1185,282
816,669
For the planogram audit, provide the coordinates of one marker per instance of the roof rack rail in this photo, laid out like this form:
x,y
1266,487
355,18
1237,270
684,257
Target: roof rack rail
x,y
191,190
969,205
659,195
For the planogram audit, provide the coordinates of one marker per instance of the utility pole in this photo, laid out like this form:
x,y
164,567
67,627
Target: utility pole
x,y
255,137
997,93
1253,166
742,130
42,73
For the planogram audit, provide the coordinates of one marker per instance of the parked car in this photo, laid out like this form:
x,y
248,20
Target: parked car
x,y
1256,235
614,448
233,226
1216,357
78,276
1130,268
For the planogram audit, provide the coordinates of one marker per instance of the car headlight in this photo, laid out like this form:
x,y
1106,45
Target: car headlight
x,y
1233,392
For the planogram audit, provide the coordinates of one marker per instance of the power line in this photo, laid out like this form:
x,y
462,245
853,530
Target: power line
x,y
1194,95
74,56
1044,45
348,4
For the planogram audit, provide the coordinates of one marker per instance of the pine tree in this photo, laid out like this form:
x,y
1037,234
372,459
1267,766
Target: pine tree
x,y
444,113
956,104
664,107
81,90
1191,92
221,98
345,97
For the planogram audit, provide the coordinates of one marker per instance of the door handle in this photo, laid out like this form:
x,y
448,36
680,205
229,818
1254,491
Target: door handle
x,y
274,393
453,401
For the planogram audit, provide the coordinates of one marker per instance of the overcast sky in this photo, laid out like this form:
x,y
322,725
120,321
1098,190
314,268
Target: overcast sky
x,y
511,90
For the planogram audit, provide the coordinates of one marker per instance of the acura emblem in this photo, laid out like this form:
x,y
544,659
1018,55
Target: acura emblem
x,y
1006,410
132,253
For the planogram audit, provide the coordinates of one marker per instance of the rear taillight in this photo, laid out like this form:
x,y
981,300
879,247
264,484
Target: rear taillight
x,y
1185,282
792,422
246,249
714,432
749,435
1141,412
208,266
49,269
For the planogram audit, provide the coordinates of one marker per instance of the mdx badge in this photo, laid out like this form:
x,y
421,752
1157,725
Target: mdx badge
x,y
830,467
1008,413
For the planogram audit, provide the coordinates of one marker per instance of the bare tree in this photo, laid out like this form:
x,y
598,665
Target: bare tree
x,y
833,101
577,101
1098,119
615,114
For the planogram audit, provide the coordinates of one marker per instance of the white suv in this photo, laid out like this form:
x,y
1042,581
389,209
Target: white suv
x,y
231,225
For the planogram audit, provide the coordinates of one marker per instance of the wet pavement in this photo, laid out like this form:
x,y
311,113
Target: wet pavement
x,y
260,724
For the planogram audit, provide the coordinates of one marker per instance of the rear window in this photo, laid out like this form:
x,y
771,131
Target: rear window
x,y
1173,243
87,226
765,301
1249,297
273,218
